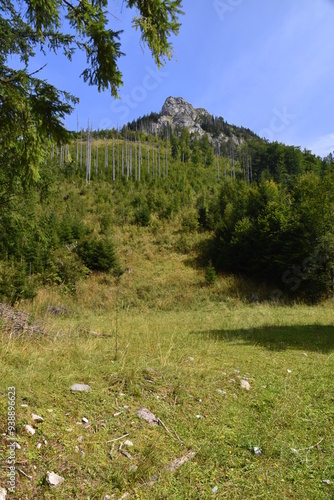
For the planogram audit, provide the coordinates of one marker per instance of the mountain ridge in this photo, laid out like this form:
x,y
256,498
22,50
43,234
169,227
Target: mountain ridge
x,y
176,113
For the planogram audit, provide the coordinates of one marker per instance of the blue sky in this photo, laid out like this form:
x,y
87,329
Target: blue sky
x,y
268,66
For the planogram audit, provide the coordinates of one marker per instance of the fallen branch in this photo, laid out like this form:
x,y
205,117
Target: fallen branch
x,y
308,448
163,425
117,439
24,474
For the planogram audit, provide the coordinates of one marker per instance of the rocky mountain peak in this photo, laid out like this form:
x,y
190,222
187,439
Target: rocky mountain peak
x,y
175,106
177,111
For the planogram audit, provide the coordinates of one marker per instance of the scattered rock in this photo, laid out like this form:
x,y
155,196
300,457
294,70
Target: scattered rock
x,y
80,388
125,453
85,420
198,416
221,392
257,450
107,497
148,416
57,310
37,418
128,443
326,481
215,489
3,493
289,371
53,479
173,466
245,384
39,446
29,429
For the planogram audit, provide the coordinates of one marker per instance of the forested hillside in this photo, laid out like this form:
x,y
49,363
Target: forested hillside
x,y
268,208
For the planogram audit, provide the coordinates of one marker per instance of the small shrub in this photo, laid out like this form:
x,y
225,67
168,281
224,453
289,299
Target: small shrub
x,y
190,222
66,269
143,216
15,282
210,274
98,254
203,217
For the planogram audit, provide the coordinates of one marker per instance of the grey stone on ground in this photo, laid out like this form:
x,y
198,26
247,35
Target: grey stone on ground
x,y
57,310
148,416
37,418
173,466
53,479
29,429
245,385
80,388
3,493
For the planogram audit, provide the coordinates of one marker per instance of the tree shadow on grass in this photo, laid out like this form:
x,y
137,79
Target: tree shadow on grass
x,y
318,338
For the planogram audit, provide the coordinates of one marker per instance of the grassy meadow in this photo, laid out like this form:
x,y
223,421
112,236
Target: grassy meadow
x,y
161,338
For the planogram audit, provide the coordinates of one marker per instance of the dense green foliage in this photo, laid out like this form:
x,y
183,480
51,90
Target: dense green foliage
x,y
98,254
280,235
272,224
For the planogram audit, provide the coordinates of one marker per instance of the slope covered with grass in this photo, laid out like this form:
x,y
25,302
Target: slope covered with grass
x,y
183,347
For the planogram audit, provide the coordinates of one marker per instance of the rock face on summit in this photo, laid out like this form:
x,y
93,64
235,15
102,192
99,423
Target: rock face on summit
x,y
178,107
177,111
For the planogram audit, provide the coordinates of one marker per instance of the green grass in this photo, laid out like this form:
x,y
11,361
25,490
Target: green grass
x,y
179,340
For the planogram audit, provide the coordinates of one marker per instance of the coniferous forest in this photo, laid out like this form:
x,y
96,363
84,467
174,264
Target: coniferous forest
x,y
267,207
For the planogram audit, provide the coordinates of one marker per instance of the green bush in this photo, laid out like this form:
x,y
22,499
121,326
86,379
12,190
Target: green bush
x,y
210,274
143,216
15,282
98,254
65,268
190,221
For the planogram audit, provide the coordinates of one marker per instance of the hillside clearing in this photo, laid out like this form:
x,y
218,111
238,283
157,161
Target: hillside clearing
x,y
183,359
